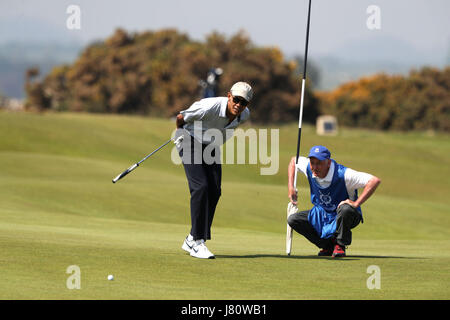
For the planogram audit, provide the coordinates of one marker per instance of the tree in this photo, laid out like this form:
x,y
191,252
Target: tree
x,y
418,101
37,98
157,73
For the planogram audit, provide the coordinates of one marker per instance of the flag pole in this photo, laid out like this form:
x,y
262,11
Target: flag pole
x,y
289,229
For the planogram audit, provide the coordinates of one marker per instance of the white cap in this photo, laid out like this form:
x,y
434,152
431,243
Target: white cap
x,y
242,89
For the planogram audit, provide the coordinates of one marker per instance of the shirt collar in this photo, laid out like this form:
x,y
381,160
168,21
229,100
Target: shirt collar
x,y
223,108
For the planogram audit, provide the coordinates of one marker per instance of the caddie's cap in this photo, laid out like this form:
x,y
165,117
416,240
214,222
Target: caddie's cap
x,y
242,89
319,152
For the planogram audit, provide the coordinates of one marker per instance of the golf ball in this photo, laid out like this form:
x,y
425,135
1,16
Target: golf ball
x,y
110,277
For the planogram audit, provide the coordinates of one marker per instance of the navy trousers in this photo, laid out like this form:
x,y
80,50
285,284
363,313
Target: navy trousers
x,y
204,182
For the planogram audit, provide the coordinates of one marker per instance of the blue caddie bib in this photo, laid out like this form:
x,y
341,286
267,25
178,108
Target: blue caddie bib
x,y
326,200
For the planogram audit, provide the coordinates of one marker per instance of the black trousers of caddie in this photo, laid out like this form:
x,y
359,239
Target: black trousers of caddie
x,y
347,218
204,182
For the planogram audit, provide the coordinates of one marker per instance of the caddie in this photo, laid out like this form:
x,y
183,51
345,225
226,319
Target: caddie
x,y
334,195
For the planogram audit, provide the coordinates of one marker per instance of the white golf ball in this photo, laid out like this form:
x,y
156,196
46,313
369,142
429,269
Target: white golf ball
x,y
110,277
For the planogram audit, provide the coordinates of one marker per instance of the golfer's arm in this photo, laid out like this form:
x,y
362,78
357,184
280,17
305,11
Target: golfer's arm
x,y
368,190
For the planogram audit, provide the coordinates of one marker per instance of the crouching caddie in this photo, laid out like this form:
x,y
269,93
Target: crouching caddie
x,y
334,195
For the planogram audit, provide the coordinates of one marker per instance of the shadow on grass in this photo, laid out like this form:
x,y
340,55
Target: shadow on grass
x,y
347,258
385,257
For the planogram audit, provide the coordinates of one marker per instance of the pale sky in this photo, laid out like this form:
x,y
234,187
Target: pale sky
x,y
422,24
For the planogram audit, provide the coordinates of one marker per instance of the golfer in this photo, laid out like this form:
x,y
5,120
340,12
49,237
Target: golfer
x,y
334,195
216,114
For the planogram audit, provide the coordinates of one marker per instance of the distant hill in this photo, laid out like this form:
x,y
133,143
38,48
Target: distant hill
x,y
373,54
17,57
335,71
25,29
382,47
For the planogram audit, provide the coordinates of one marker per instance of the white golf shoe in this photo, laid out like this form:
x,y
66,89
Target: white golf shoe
x,y
199,250
188,244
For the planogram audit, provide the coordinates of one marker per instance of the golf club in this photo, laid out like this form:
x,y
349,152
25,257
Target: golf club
x,y
134,166
289,229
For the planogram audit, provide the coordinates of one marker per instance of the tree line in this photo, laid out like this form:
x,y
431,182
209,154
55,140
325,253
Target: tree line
x,y
156,73
417,101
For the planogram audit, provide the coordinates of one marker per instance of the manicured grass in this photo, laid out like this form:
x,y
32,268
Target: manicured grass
x,y
59,208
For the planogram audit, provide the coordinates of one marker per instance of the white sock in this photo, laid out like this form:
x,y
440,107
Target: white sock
x,y
199,241
190,237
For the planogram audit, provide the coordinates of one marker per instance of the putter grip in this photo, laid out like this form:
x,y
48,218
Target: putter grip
x,y
123,174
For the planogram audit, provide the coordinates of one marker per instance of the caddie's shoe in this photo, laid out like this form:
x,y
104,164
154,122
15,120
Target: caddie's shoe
x,y
199,250
339,251
326,252
188,244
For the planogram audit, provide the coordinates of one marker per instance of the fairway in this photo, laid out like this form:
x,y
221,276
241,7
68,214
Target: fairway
x,y
58,208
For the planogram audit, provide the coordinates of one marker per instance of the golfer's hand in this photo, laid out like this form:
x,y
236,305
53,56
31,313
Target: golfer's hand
x,y
349,202
178,142
178,138
180,121
293,195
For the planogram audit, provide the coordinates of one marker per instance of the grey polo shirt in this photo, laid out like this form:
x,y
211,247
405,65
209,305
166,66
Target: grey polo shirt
x,y
210,113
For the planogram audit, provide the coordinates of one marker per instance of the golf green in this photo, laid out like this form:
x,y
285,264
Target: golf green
x,y
58,208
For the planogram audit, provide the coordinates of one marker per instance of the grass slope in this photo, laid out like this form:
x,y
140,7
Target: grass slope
x,y
58,208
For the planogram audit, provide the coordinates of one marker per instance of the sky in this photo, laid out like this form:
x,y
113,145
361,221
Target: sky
x,y
424,25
